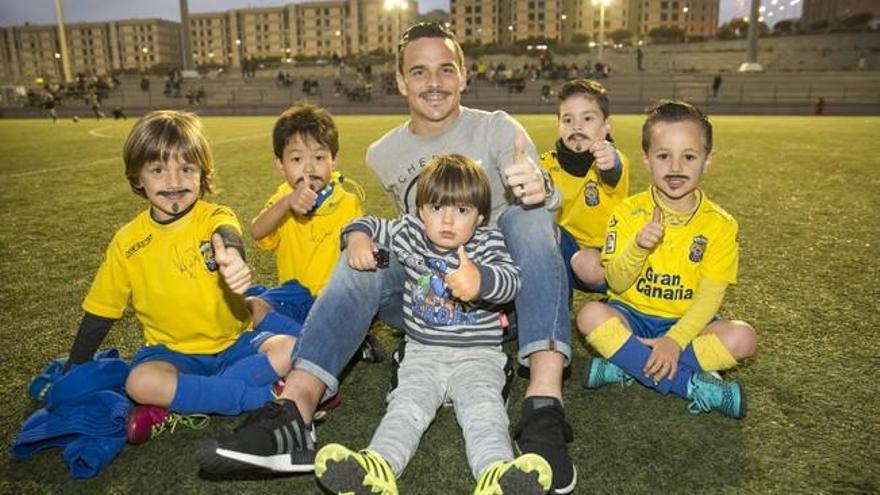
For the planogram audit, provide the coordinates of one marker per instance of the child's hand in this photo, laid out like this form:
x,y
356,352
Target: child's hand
x,y
234,270
359,248
523,177
652,233
603,152
663,362
302,198
464,282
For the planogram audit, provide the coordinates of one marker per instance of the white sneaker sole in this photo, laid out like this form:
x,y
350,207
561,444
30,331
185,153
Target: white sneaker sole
x,y
279,463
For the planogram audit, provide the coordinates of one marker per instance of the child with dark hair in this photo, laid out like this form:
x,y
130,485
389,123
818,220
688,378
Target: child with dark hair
x,y
669,255
591,174
180,265
457,274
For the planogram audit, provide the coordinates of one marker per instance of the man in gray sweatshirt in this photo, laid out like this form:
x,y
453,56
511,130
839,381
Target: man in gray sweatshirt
x,y
431,75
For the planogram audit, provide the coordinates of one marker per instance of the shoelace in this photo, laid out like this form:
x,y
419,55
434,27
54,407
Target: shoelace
x,y
193,421
699,405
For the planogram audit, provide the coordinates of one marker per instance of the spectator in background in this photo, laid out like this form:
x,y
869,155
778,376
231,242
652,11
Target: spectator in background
x,y
640,57
820,106
145,84
863,62
716,84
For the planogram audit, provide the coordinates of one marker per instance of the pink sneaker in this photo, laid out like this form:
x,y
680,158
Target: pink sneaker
x,y
327,406
146,422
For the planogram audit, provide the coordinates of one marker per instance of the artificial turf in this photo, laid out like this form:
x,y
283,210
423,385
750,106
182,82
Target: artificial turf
x,y
806,193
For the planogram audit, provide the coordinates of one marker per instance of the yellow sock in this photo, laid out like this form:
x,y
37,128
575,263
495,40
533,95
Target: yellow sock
x,y
712,354
609,337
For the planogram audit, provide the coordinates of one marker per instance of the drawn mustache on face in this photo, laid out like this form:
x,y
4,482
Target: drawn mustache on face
x,y
675,176
173,192
578,135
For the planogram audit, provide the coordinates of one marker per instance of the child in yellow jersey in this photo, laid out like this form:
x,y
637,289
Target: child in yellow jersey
x,y
180,265
302,221
669,255
591,174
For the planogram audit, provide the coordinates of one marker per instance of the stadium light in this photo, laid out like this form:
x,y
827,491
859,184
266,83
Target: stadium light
x,y
602,4
397,6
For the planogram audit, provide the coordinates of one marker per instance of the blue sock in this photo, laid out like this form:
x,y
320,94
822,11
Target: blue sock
x,y
689,358
214,395
253,370
279,324
632,358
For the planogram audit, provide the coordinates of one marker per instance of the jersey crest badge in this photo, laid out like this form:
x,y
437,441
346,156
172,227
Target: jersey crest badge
x,y
698,247
610,242
591,193
207,251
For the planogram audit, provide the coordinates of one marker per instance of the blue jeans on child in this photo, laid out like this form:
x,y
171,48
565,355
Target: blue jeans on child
x,y
342,314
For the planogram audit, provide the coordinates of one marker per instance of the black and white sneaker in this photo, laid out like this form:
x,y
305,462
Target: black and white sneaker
x,y
274,437
543,430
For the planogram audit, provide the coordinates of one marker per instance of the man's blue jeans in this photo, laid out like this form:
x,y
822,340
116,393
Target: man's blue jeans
x,y
342,314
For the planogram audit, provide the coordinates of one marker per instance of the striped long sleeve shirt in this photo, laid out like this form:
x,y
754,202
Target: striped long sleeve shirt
x,y
431,315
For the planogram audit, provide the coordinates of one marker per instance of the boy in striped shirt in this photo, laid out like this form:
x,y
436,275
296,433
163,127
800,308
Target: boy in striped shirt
x,y
457,275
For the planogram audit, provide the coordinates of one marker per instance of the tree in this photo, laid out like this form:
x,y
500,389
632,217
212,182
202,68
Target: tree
x,y
580,38
670,34
787,26
857,21
739,28
620,36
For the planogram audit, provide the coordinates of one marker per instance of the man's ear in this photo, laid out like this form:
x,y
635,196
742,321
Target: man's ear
x,y
401,84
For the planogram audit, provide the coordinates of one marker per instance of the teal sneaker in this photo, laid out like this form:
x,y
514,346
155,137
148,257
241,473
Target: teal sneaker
x,y
707,393
601,372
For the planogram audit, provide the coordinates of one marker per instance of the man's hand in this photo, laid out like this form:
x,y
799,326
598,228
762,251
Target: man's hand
x,y
359,248
523,176
663,362
652,233
603,151
464,282
301,200
234,270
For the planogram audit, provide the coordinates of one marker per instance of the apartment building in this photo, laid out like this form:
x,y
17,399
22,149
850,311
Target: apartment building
x,y
835,10
209,35
507,21
697,18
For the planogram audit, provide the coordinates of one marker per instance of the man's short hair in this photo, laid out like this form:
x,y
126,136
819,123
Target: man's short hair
x,y
162,135
585,87
427,30
454,180
304,119
675,111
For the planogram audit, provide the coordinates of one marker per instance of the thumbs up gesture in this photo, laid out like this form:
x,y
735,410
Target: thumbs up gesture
x,y
464,283
652,233
523,176
602,150
302,198
234,270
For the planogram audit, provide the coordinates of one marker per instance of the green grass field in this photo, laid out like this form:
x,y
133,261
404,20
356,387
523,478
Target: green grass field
x,y
806,192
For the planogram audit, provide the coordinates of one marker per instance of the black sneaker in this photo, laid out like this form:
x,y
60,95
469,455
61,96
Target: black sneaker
x,y
542,430
274,437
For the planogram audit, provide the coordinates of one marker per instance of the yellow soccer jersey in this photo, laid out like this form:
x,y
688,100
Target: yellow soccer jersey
x,y
704,245
586,201
169,274
307,249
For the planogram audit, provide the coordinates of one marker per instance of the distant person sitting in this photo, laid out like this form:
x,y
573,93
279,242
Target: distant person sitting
x,y
118,114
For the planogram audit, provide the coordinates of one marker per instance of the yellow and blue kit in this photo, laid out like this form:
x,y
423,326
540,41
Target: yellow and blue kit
x,y
307,248
673,290
587,201
169,274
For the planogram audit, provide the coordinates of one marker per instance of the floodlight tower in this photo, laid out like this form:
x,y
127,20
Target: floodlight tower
x,y
602,4
62,44
185,41
751,64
